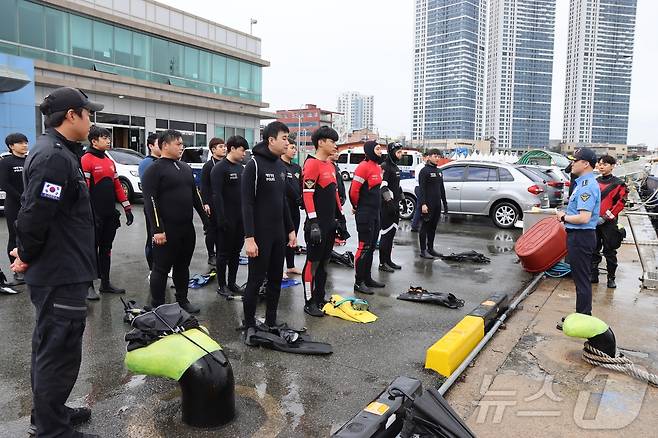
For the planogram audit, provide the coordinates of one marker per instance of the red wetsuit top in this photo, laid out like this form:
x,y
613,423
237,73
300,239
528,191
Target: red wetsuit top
x,y
321,200
103,182
613,196
365,191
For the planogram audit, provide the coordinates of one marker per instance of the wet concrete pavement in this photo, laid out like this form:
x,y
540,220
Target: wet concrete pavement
x,y
532,378
278,394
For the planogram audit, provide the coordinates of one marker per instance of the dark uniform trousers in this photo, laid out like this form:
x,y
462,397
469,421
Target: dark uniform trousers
x,y
11,213
580,246
56,353
367,228
604,241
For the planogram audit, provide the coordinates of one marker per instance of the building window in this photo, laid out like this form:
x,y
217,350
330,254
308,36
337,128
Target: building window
x,y
85,42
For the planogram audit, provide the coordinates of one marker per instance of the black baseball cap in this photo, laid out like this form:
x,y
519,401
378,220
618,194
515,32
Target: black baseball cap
x,y
586,154
66,98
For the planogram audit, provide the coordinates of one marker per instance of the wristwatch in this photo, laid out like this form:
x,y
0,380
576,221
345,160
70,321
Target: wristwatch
x,y
563,220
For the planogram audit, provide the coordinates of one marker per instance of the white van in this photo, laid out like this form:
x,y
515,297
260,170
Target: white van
x,y
350,158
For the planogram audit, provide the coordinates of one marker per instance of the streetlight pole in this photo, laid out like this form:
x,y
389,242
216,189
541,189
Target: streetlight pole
x,y
251,25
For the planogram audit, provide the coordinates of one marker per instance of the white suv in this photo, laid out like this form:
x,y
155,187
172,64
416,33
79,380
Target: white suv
x,y
127,162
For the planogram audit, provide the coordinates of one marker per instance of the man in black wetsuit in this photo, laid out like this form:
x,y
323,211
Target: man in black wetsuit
x,y
390,213
433,195
324,216
218,152
170,196
225,181
11,181
266,221
294,198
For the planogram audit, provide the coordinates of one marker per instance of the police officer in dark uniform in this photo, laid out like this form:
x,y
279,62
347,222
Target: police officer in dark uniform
x,y
580,220
56,251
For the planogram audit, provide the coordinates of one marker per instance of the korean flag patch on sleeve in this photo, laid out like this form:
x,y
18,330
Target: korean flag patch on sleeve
x,y
51,191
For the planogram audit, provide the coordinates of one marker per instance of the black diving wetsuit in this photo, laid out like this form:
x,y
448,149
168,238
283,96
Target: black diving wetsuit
x,y
170,197
433,194
390,212
267,219
365,196
207,198
11,181
225,179
294,198
322,206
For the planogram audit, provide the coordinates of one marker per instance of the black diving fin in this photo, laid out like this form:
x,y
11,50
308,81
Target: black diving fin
x,y
420,295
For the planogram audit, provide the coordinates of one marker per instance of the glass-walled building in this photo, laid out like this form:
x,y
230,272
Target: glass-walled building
x,y
154,67
598,73
449,49
519,73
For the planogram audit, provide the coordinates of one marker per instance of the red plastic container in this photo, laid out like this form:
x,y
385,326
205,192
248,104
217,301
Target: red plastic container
x,y
542,246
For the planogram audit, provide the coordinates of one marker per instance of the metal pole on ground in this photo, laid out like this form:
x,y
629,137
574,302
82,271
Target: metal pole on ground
x,y
455,375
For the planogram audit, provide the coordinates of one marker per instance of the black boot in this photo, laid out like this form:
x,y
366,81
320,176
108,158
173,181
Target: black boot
x,y
360,287
433,253
394,265
212,259
373,283
237,290
611,283
189,307
313,309
108,288
223,291
385,268
425,255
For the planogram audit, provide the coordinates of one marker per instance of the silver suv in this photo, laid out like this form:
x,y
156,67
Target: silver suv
x,y
497,190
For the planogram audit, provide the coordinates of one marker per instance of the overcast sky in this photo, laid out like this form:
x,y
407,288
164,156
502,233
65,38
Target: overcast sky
x,y
318,49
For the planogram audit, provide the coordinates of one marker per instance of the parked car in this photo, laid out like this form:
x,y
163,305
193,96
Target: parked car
x,y
500,191
554,188
196,157
127,162
560,175
350,158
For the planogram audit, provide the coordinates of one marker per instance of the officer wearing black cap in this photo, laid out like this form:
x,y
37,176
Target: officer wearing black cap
x,y
580,220
56,251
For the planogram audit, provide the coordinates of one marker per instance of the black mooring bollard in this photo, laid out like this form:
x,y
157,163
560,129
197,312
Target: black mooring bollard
x,y
208,391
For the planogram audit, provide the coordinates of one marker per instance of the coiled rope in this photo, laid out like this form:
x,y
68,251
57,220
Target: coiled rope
x,y
560,269
621,364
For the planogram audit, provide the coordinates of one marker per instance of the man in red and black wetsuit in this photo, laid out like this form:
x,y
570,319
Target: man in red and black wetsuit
x,y
324,215
365,193
613,200
105,191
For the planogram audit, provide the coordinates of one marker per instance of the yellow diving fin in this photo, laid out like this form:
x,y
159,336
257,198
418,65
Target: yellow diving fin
x,y
349,309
